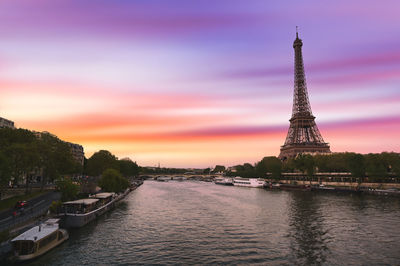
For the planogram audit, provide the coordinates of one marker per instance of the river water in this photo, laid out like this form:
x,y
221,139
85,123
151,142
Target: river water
x,y
195,222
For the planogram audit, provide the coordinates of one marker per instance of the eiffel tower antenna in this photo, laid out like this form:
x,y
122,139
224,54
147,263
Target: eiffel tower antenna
x,y
303,134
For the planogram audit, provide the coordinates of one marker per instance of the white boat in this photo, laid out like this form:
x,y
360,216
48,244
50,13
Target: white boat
x,y
38,240
78,213
248,182
226,181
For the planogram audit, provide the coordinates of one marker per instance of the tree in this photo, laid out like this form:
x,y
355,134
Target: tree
x,y
246,170
305,163
375,166
392,161
100,161
23,158
55,158
218,169
207,170
356,165
112,181
128,168
30,155
271,165
289,166
5,173
68,189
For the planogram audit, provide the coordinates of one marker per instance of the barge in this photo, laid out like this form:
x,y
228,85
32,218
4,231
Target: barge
x,y
38,240
78,213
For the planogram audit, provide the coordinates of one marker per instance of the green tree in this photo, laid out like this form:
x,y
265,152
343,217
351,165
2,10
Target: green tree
x,y
23,158
356,165
392,161
55,158
30,155
69,190
5,173
246,170
112,181
289,166
305,163
218,168
128,168
375,166
271,165
100,161
207,170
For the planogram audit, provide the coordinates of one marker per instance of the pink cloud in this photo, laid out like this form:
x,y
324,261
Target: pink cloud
x,y
392,58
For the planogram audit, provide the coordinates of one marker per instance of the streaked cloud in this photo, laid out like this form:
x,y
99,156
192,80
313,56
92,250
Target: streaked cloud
x,y
199,83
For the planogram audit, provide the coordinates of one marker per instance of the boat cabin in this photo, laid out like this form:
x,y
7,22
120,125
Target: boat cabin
x,y
104,197
80,206
38,239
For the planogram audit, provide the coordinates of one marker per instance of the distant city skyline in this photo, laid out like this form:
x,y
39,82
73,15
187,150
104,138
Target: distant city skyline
x,y
199,83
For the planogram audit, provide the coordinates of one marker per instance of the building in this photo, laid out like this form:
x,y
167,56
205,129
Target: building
x,y
303,135
77,152
5,123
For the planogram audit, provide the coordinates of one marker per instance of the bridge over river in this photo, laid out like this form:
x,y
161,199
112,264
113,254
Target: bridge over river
x,y
205,177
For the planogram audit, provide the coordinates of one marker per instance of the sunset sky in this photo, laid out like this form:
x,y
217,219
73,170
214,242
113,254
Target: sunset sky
x,y
200,83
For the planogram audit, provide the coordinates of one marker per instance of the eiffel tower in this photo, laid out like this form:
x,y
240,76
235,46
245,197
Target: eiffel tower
x,y
303,135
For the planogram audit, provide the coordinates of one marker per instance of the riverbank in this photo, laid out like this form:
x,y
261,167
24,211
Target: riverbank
x,y
340,184
5,244
385,189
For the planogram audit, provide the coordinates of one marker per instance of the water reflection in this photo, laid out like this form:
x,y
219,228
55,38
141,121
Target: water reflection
x,y
190,223
309,238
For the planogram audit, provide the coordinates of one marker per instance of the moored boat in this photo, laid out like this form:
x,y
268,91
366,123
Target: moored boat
x,y
226,181
38,240
78,213
385,192
294,187
272,185
323,187
248,182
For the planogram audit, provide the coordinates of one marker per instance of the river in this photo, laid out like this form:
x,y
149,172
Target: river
x,y
194,222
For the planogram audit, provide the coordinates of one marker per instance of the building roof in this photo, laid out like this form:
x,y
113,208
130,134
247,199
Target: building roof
x,y
82,201
38,232
103,195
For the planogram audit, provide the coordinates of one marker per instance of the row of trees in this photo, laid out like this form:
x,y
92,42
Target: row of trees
x,y
103,160
113,172
103,164
373,165
25,156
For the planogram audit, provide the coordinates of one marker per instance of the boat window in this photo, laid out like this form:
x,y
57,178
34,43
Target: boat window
x,y
23,247
45,241
60,235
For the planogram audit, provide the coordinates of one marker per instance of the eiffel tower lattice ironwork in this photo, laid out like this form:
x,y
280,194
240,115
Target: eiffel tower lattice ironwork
x,y
303,135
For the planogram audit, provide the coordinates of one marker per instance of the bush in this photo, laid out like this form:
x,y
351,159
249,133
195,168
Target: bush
x,y
55,206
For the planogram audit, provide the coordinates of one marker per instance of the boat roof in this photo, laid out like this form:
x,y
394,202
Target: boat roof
x,y
38,232
82,201
103,195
